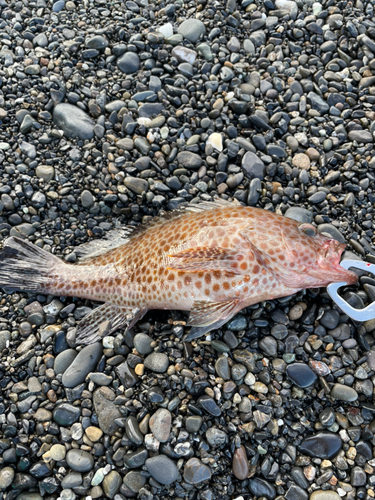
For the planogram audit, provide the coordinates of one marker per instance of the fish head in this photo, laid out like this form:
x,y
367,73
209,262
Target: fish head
x,y
300,257
316,257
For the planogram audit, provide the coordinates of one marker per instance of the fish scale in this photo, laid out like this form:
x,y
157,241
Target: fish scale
x,y
212,259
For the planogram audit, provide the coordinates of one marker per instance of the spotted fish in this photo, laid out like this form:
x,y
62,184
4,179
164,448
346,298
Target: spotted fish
x,y
212,259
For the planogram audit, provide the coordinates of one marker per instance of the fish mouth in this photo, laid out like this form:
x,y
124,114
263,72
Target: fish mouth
x,y
330,270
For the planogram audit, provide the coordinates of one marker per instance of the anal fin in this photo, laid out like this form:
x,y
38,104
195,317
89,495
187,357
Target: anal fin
x,y
105,320
206,316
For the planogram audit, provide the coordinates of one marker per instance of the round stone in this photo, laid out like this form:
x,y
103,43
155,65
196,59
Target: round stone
x,y
301,160
191,29
162,469
216,437
66,414
79,460
157,362
189,160
57,452
142,343
93,433
129,62
111,483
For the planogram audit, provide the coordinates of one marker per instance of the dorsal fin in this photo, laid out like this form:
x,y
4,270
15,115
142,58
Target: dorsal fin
x,y
117,237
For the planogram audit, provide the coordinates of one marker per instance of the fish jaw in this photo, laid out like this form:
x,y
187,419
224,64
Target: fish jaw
x,y
336,274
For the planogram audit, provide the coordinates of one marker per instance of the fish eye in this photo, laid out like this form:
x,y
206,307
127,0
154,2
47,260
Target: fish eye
x,y
308,229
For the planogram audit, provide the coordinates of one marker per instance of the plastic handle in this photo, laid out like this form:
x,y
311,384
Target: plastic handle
x,y
356,314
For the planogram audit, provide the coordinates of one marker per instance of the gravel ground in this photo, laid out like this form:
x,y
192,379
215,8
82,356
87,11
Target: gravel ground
x,y
113,111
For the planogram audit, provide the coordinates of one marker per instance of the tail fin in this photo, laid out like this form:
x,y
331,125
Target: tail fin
x,y
25,267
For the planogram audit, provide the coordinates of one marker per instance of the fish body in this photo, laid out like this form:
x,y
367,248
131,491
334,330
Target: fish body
x,y
213,259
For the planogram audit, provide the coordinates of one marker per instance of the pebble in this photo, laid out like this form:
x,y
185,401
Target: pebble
x,y
162,469
79,460
113,113
344,393
324,445
82,365
160,424
73,121
301,375
240,463
157,362
195,472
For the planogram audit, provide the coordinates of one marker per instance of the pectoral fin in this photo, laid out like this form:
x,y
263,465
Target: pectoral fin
x,y
201,259
104,320
206,316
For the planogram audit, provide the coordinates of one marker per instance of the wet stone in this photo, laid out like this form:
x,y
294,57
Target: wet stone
x,y
132,430
240,463
216,437
162,469
222,367
261,488
324,445
66,414
195,472
135,459
301,374
111,484
134,481
209,405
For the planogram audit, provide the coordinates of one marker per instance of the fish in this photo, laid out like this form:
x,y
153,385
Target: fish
x,y
210,258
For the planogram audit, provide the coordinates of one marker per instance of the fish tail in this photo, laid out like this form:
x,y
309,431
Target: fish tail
x,y
26,267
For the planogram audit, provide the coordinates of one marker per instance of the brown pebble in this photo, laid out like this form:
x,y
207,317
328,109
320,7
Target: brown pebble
x,y
240,463
301,160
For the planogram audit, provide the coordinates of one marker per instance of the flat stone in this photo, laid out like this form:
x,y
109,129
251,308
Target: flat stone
x,y
64,360
79,460
82,365
160,424
111,483
253,166
324,445
162,469
208,404
73,121
193,423
240,463
261,488
301,374
189,160
6,477
191,29
136,459
128,63
184,54
106,410
324,495
195,472
344,393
